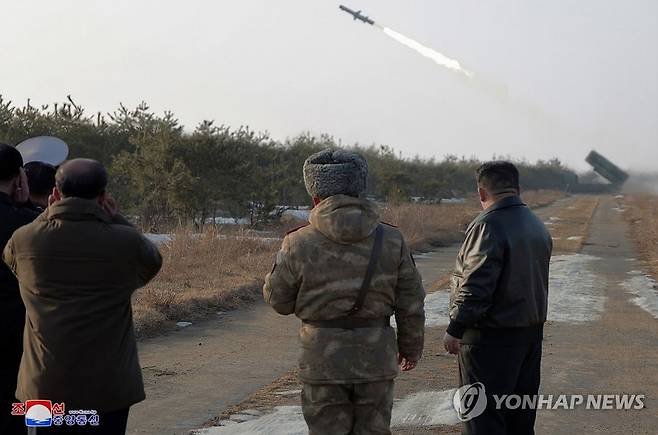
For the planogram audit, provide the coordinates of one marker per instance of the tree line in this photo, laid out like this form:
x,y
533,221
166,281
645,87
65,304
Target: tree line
x,y
164,174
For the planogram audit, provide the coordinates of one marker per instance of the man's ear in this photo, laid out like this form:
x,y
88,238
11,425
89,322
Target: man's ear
x,y
54,196
483,194
101,198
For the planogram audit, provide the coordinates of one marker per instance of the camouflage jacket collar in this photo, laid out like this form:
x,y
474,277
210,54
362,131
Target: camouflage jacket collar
x,y
345,219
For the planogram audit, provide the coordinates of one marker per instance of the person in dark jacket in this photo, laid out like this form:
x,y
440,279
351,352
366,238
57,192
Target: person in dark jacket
x,y
41,179
14,213
499,302
78,265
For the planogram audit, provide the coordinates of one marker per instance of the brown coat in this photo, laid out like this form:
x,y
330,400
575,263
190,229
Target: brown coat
x,y
317,276
77,269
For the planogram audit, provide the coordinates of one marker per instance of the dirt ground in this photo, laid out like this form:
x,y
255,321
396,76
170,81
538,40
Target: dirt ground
x,y
241,353
615,354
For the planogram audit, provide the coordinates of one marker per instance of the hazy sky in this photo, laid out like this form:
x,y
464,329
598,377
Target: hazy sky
x,y
579,74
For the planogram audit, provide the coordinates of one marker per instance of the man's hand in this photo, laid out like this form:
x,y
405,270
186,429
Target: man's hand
x,y
406,364
110,205
22,191
451,343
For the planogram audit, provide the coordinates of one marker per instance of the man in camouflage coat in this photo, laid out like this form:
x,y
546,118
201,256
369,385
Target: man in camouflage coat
x,y
350,354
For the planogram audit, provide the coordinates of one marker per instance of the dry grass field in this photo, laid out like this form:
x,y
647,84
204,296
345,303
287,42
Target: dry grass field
x,y
202,274
642,214
223,268
430,225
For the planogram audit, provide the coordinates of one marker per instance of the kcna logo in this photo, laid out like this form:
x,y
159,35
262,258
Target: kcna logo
x,y
470,401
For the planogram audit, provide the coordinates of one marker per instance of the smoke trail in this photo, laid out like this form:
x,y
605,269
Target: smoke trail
x,y
437,57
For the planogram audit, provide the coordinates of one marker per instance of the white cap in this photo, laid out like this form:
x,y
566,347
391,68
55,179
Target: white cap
x,y
46,149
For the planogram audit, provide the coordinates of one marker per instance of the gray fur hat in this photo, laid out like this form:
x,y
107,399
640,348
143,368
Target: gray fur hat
x,y
335,172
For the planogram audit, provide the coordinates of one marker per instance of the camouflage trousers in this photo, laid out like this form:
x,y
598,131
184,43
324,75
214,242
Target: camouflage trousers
x,y
342,409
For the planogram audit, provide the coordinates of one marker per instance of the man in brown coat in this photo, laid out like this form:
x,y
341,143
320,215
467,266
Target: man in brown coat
x,y
344,276
77,265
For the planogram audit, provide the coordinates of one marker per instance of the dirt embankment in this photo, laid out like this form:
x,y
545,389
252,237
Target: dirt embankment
x,y
641,211
202,274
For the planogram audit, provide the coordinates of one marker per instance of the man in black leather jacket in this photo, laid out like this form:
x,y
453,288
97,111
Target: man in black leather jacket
x,y
499,301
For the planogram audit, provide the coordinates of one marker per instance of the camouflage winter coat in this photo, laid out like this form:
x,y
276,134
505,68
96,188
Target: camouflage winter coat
x,y
317,276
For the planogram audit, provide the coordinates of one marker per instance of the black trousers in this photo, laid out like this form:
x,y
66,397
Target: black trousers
x,y
111,423
10,424
503,370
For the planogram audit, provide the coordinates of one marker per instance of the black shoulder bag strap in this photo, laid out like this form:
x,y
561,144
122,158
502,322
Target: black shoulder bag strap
x,y
374,257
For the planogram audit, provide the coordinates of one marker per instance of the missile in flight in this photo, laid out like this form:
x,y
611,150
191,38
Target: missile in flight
x,y
419,48
357,15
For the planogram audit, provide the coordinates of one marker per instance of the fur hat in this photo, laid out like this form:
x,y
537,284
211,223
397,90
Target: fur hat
x,y
335,172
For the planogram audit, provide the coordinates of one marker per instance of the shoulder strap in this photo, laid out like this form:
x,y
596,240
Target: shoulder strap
x,y
374,257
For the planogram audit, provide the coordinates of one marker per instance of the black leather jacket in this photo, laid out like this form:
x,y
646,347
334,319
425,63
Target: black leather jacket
x,y
501,277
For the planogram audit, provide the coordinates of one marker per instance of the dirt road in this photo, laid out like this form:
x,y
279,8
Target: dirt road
x,y
194,373
600,339
614,353
191,374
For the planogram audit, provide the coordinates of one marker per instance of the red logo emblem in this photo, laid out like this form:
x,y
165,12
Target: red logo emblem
x,y
17,409
59,409
38,413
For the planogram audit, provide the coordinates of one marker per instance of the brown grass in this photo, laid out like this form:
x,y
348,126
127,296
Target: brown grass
x,y
215,270
429,225
642,215
426,226
223,268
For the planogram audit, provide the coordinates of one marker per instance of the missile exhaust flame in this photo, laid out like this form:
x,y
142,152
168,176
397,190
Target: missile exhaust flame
x,y
438,58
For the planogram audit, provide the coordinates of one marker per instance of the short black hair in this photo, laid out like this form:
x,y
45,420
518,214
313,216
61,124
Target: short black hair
x,y
81,178
11,162
498,177
40,177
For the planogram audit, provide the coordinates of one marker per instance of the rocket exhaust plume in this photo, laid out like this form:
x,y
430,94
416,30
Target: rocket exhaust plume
x,y
438,58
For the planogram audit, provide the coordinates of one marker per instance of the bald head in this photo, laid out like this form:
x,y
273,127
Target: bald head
x,y
81,178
